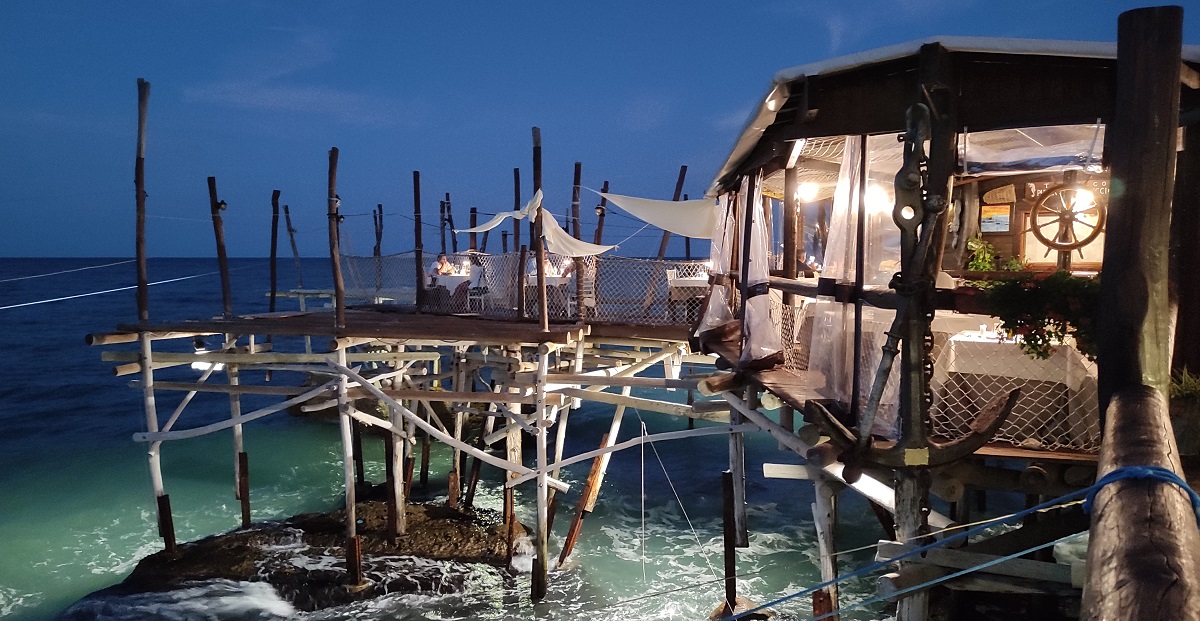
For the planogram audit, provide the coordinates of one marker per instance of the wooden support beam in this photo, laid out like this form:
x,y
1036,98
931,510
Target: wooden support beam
x,y
965,559
339,287
650,405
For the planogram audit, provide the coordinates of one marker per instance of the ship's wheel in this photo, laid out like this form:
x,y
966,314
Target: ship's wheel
x,y
1067,217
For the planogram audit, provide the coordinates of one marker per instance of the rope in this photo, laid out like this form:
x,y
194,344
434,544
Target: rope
x,y
84,295
643,504
695,535
78,269
937,581
631,236
1155,473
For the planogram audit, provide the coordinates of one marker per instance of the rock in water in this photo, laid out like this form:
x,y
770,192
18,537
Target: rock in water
x,y
304,557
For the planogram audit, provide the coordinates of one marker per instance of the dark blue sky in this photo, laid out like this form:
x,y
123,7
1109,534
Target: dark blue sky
x,y
255,94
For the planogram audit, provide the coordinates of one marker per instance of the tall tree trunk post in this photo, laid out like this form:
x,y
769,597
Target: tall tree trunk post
x,y
418,250
139,196
538,244
291,231
222,261
335,253
516,206
600,211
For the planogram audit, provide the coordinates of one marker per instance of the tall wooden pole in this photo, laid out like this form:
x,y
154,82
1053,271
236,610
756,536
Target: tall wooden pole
x,y
291,231
576,229
1142,556
662,247
418,249
274,248
504,242
471,237
600,216
450,225
516,206
335,252
538,245
442,223
139,194
222,261
377,251
791,229
687,254
1185,254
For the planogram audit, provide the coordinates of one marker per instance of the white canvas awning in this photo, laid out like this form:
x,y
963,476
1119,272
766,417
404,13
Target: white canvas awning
x,y
496,220
560,242
694,218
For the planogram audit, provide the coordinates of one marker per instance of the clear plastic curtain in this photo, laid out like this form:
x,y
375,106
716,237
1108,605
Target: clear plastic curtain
x,y
717,312
762,337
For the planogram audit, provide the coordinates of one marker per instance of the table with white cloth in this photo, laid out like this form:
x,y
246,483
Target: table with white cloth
x,y
448,292
1057,408
690,291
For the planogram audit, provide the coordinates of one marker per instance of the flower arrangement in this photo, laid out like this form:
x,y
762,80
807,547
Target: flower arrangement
x,y
1044,311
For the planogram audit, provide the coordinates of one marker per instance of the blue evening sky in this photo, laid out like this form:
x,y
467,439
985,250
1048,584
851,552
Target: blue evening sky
x,y
255,93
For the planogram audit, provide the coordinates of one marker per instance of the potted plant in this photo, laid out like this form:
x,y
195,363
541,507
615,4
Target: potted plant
x,y
1044,311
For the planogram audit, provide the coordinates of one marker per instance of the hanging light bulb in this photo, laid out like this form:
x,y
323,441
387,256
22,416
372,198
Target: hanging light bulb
x,y
807,192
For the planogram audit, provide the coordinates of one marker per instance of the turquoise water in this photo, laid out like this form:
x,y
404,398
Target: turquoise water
x,y
76,510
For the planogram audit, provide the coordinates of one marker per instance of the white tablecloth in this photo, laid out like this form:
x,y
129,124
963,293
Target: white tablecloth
x,y
451,281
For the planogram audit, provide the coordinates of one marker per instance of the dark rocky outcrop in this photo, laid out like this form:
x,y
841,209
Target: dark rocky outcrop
x,y
304,559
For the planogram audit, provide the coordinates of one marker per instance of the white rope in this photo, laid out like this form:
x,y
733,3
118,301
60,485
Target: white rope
x,y
78,269
679,500
631,236
644,579
114,290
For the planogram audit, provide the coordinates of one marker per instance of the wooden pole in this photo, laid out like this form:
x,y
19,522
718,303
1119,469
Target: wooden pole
x,y
418,250
513,453
791,229
1142,557
600,216
687,242
737,466
274,250
474,221
1185,254
335,254
353,551
392,476
520,288
590,489
450,225
442,223
166,526
824,510
576,230
539,245
541,544
662,247
730,544
516,206
377,251
222,261
504,242
244,487
139,194
291,231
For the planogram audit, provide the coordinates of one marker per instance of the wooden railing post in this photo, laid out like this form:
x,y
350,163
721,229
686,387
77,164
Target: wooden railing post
x,y
1144,552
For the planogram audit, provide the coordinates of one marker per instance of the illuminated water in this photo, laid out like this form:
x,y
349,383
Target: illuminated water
x,y
76,511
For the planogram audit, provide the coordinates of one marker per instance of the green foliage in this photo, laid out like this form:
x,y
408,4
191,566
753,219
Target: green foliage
x,y
1185,386
1044,311
1015,264
983,255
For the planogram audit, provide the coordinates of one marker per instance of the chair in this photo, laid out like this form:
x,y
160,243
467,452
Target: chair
x,y
477,292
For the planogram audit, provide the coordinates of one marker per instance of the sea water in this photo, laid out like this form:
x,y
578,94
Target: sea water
x,y
77,511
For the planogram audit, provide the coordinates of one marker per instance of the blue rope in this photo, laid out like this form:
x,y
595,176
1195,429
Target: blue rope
x,y
1126,472
1156,473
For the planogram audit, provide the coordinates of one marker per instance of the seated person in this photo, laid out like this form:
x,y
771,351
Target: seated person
x,y
441,267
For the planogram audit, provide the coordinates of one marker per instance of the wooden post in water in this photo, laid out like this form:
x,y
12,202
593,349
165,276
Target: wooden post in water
x,y
600,212
730,542
1142,557
516,207
244,486
339,289
222,261
824,511
539,245
291,231
377,251
419,250
274,251
542,561
353,549
139,195
513,453
737,466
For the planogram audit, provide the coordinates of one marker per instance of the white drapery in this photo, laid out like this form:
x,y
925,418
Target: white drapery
x,y
560,242
694,218
520,214
717,313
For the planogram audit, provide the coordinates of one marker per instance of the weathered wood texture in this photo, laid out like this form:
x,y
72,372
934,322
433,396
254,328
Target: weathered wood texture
x,y
139,193
216,206
1134,326
419,248
1185,254
1144,554
339,287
